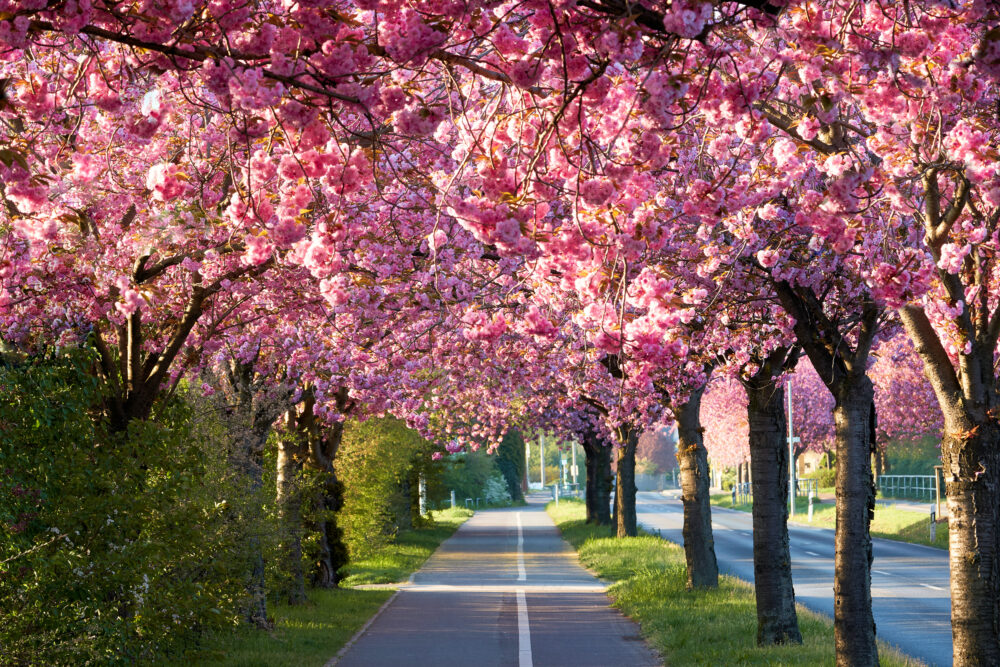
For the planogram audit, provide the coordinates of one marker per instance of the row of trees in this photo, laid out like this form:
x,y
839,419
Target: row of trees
x,y
577,211
130,547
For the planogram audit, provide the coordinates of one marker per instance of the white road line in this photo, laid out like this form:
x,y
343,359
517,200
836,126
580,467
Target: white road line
x,y
523,632
883,572
812,553
521,574
933,588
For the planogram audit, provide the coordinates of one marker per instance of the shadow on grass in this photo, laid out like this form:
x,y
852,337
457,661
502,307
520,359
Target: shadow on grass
x,y
304,635
701,627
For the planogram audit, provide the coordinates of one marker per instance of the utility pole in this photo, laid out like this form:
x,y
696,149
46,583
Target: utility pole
x,y
791,454
541,457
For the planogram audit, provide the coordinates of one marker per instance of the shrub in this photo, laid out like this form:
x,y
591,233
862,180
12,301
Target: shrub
x,y
375,462
495,490
116,548
825,477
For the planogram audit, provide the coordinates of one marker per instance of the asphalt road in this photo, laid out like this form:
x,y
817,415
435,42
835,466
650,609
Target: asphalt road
x,y
910,598
505,590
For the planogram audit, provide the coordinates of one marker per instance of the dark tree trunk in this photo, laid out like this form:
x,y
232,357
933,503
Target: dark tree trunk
x,y
253,406
332,550
777,622
971,465
839,348
699,545
969,396
598,463
625,519
854,419
323,443
289,504
256,612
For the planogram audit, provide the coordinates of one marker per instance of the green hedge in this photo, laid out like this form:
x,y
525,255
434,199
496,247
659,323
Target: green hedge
x,y
116,548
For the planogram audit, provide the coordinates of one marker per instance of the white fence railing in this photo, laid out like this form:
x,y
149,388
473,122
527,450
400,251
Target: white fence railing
x,y
916,487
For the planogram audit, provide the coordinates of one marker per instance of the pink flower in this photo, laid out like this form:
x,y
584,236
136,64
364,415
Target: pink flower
x,y
952,257
86,167
767,258
808,128
259,250
131,301
167,181
596,191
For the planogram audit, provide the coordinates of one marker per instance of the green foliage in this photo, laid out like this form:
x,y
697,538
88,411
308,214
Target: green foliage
x,y
914,457
312,633
728,479
510,461
646,467
376,462
115,547
393,562
826,477
701,627
466,473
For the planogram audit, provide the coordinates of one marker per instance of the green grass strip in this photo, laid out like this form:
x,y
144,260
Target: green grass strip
x,y
890,522
407,552
705,627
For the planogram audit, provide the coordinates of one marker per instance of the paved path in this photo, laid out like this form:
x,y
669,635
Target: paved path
x,y
505,590
909,581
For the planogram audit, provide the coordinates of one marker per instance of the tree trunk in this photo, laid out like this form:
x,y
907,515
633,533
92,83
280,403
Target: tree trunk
x,y
777,622
289,504
971,463
625,519
598,458
854,418
699,545
969,397
256,612
332,550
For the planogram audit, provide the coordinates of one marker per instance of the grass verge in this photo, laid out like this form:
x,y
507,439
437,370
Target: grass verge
x,y
312,633
705,627
889,522
406,553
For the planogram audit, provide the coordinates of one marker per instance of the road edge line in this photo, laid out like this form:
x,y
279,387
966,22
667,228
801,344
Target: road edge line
x,y
364,628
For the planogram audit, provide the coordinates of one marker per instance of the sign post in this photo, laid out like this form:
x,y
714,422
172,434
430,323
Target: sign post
x,y
791,455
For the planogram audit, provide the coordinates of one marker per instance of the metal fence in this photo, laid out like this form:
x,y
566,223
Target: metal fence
x,y
915,487
743,492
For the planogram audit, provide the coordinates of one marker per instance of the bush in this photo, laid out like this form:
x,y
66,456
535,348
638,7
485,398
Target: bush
x,y
495,490
376,462
825,477
116,548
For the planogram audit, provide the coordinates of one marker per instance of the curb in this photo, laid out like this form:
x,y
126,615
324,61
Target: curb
x,y
357,635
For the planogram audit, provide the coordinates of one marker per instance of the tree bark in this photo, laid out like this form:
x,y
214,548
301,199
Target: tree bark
x,y
971,463
839,347
854,419
625,518
777,622
323,443
970,453
253,406
289,505
598,463
699,545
